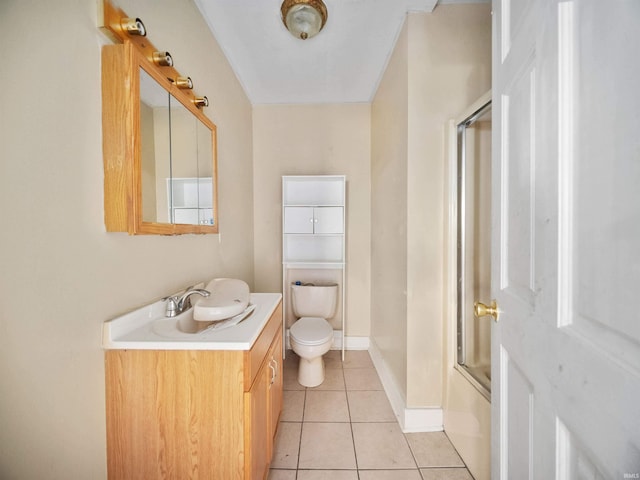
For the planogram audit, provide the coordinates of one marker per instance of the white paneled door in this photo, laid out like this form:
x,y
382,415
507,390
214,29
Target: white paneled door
x,y
566,239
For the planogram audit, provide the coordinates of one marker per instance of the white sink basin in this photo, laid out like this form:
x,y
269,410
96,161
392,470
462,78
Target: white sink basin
x,y
229,297
148,328
185,323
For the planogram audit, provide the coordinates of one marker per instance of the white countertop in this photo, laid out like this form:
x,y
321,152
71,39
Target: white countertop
x,y
147,328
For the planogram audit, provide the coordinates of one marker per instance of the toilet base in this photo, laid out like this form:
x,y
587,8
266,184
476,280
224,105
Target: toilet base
x,y
311,371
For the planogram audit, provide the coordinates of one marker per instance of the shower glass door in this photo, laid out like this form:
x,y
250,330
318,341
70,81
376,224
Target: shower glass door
x,y
474,244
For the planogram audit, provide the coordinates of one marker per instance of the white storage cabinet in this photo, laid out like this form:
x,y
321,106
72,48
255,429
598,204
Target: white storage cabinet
x,y
313,226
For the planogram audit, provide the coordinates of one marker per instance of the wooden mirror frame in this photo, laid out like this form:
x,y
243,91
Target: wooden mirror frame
x,y
122,147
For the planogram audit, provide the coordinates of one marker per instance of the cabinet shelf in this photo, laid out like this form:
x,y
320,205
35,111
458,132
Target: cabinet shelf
x,y
339,235
312,264
313,190
313,248
312,205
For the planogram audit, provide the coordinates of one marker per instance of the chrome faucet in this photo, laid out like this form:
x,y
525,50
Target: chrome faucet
x,y
176,305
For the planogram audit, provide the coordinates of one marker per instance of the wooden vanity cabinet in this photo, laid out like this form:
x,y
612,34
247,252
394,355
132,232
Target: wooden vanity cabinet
x,y
276,389
194,414
260,429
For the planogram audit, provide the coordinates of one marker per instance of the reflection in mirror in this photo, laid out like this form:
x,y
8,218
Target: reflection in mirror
x,y
190,185
154,145
181,184
205,174
177,152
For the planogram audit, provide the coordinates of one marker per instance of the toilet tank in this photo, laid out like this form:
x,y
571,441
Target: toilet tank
x,y
314,300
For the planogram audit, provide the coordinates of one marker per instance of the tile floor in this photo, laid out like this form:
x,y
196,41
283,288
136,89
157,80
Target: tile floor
x,y
345,429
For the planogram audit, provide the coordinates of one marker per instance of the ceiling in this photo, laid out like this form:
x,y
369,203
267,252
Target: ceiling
x,y
342,64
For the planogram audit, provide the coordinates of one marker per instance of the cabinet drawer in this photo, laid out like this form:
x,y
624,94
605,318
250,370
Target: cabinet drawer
x,y
257,354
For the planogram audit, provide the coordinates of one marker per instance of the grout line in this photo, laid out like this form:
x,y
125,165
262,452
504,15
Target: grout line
x,y
353,438
413,455
457,453
304,408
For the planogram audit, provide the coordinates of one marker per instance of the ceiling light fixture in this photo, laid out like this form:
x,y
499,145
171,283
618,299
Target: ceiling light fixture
x,y
304,18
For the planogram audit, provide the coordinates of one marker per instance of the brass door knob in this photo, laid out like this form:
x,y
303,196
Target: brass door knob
x,y
481,310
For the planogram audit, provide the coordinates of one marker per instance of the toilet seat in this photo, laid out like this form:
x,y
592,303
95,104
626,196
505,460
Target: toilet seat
x,y
311,331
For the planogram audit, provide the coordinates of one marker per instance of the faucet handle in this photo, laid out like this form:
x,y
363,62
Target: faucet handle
x,y
172,307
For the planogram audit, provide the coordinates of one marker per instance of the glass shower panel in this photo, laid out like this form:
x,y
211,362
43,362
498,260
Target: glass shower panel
x,y
474,243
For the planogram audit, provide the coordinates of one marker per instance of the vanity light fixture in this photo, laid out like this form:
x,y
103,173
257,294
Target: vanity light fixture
x,y
133,26
163,59
184,82
304,18
201,102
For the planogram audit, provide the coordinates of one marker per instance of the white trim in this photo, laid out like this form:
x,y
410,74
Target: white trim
x,y
563,451
423,420
566,160
410,419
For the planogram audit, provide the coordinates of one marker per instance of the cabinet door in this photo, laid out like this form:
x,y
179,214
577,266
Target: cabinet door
x,y
298,220
275,387
328,220
257,429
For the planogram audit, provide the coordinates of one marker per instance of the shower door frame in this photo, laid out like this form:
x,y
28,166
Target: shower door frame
x,y
478,109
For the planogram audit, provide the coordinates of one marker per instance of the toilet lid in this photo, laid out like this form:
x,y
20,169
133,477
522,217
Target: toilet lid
x,y
311,331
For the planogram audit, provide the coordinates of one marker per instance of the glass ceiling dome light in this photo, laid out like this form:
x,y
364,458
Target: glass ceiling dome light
x,y
304,18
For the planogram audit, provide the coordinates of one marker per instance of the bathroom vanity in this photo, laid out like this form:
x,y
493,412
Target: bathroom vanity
x,y
203,405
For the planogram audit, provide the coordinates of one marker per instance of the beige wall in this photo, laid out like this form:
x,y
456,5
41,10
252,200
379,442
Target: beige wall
x,y
447,66
389,150
314,140
62,274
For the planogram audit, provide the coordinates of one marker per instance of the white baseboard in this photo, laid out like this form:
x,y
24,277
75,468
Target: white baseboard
x,y
411,420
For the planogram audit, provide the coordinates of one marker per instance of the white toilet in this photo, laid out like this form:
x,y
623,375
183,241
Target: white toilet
x,y
311,336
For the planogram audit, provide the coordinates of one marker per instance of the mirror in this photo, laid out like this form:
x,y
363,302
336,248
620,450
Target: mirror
x,y
189,185
176,152
155,147
168,147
